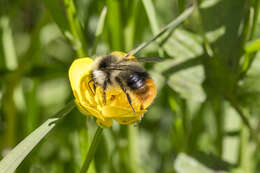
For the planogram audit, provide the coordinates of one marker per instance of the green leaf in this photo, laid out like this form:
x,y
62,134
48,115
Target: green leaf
x,y
183,44
185,71
13,159
189,83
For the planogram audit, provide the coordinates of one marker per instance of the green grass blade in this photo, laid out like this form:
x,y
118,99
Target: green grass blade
x,y
71,28
130,27
78,40
100,28
57,14
8,43
101,22
174,24
11,63
253,47
114,24
181,5
256,6
13,159
150,11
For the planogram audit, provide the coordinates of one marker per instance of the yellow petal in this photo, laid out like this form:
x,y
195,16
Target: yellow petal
x,y
79,77
121,115
109,111
78,69
88,110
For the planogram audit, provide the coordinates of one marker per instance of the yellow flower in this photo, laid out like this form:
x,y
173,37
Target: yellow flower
x,y
116,106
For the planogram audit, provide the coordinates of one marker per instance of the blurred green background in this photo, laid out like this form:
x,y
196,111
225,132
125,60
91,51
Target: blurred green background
x,y
205,118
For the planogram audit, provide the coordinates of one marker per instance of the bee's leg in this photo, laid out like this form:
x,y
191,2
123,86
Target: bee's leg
x,y
93,86
118,80
104,91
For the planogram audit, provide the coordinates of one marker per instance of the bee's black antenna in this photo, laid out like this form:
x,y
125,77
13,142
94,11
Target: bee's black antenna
x,y
176,22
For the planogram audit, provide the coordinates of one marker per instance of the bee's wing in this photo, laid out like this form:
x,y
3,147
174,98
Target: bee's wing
x,y
122,67
149,59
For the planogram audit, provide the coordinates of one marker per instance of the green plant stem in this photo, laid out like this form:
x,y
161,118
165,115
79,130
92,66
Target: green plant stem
x,y
91,150
218,111
245,153
174,24
77,38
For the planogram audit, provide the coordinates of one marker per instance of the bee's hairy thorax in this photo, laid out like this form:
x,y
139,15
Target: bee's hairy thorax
x,y
107,69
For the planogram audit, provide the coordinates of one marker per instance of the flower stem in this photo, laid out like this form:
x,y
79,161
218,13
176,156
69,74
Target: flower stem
x,y
132,149
91,150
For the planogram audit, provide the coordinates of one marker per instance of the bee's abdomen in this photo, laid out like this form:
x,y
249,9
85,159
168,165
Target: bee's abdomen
x,y
136,81
146,94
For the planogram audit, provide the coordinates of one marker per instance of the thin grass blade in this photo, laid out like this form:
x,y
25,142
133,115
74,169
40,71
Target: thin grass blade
x,y
57,14
253,46
174,24
100,28
77,37
150,11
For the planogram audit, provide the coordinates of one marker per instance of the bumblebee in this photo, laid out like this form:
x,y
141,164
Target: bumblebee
x,y
125,73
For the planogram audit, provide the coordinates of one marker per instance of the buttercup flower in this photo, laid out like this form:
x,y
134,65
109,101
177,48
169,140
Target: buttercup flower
x,y
116,106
